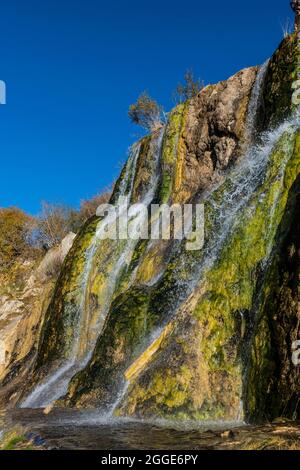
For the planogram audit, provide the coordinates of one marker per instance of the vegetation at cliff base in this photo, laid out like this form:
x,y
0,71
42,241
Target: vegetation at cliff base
x,y
23,236
15,230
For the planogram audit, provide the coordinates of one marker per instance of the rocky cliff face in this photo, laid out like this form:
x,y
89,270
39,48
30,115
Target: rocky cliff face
x,y
149,328
273,380
24,298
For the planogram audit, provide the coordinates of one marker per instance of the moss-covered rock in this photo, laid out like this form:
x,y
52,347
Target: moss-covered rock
x,y
283,70
273,381
62,316
129,323
209,349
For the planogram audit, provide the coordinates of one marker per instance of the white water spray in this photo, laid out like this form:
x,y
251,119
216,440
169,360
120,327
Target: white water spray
x,y
255,101
56,384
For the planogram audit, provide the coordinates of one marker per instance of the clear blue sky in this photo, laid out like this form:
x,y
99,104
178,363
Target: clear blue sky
x,y
73,67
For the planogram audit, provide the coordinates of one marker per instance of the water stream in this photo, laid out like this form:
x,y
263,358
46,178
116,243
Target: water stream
x,y
87,332
226,201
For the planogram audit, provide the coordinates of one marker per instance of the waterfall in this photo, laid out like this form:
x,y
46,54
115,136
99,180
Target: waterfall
x,y
87,331
250,128
235,193
240,185
255,101
228,203
237,189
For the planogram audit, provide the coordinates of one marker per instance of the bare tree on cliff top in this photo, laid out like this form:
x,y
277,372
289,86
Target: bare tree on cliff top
x,y
189,89
146,112
53,224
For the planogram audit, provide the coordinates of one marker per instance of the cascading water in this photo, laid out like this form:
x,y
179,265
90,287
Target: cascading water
x,y
56,385
227,204
250,131
241,184
235,191
255,101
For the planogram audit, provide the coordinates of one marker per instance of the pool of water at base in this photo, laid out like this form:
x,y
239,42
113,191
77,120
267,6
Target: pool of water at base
x,y
68,429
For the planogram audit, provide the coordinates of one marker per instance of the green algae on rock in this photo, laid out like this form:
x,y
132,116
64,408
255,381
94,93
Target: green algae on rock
x,y
228,293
